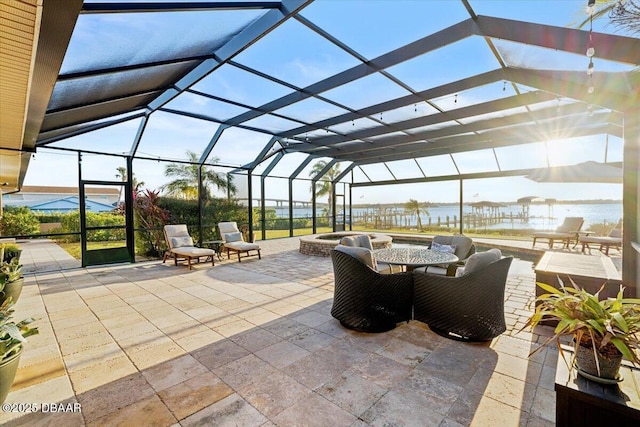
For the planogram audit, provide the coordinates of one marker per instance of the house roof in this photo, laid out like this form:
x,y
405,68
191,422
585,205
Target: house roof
x,y
70,203
68,190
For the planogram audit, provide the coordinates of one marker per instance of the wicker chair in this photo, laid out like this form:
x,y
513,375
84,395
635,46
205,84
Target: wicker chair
x,y
464,248
469,307
365,300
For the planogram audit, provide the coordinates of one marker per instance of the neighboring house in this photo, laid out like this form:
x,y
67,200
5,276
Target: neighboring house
x,y
69,204
62,199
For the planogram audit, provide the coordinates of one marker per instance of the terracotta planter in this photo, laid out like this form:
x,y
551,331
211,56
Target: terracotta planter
x,y
609,367
8,369
13,290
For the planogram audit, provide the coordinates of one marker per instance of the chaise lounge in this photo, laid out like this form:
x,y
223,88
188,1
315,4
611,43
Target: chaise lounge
x,y
180,246
614,238
565,232
234,242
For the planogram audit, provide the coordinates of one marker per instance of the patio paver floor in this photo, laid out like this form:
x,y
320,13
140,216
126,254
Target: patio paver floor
x,y
253,344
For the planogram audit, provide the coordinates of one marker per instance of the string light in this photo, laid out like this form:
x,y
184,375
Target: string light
x,y
591,50
455,99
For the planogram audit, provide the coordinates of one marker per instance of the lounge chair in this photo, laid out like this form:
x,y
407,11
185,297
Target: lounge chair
x,y
614,238
567,231
460,246
469,307
180,246
234,242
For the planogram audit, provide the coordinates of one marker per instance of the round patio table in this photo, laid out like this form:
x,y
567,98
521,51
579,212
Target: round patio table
x,y
413,257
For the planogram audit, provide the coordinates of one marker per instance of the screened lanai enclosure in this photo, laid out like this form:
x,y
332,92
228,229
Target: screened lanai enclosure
x,y
359,98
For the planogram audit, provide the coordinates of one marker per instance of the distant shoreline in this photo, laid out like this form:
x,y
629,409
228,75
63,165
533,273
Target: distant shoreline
x,y
544,203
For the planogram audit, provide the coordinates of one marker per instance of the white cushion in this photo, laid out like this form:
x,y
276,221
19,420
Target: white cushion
x,y
362,241
449,249
233,237
363,255
462,244
192,251
434,269
478,261
182,241
241,246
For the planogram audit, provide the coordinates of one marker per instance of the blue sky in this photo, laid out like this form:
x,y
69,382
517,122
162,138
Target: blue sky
x,y
300,57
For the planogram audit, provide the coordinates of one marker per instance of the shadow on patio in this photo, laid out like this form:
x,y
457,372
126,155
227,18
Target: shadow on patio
x,y
254,344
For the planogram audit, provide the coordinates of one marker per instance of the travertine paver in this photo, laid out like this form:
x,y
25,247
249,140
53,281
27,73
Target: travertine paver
x,y
253,343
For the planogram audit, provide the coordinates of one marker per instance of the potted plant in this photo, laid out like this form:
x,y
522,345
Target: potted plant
x,y
11,250
12,337
604,331
11,280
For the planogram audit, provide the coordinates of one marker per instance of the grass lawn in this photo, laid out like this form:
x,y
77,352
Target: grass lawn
x,y
74,248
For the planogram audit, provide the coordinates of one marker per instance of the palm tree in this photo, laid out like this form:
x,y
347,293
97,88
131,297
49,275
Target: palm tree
x,y
622,14
185,184
135,185
416,208
323,186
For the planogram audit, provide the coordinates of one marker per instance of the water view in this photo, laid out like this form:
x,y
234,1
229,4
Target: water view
x,y
540,216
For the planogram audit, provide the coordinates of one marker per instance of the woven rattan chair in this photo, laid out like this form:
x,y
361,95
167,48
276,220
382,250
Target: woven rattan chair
x,y
367,301
469,307
364,241
464,248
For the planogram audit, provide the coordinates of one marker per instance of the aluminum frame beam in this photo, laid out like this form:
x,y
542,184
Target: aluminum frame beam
x,y
431,119
610,47
82,130
478,175
549,113
143,7
426,44
258,29
463,144
436,92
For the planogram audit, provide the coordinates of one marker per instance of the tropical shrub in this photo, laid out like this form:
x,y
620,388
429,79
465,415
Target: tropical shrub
x,y
149,218
70,223
18,221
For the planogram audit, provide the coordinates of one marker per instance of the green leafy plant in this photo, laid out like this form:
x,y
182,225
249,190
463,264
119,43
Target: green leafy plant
x,y
11,250
18,221
10,272
608,326
12,334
